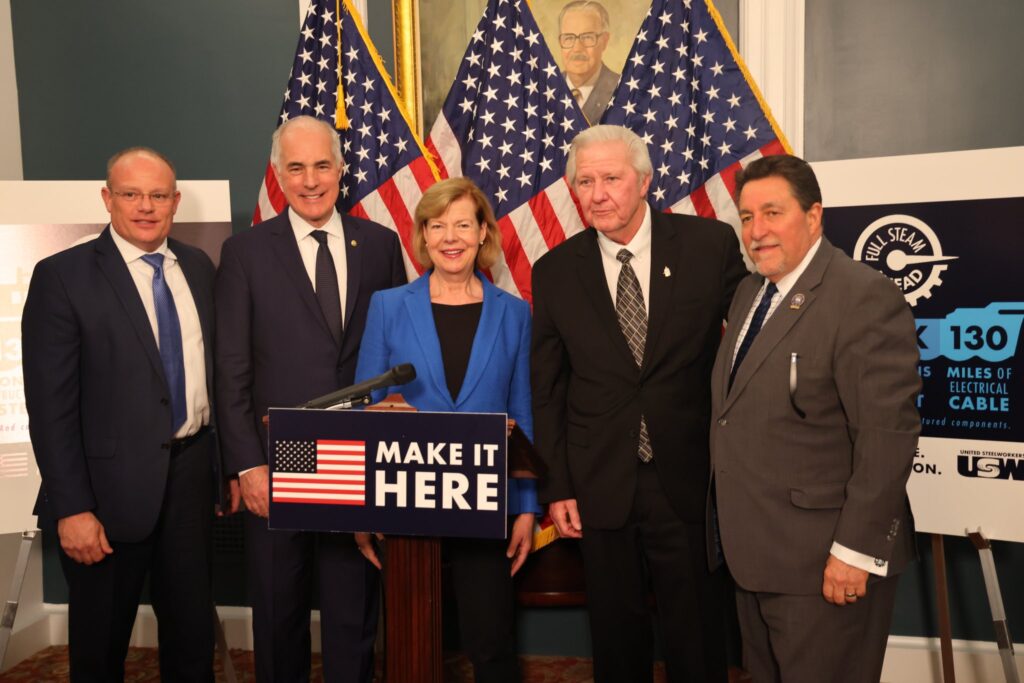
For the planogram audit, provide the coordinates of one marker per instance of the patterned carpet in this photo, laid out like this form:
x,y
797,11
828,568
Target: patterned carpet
x,y
51,666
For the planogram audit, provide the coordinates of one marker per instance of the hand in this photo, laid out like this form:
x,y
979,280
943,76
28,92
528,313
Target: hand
x,y
82,537
256,490
520,541
364,542
509,427
566,517
234,497
843,581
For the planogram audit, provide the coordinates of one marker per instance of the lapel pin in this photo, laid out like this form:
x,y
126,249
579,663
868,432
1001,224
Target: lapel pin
x,y
666,272
354,243
797,301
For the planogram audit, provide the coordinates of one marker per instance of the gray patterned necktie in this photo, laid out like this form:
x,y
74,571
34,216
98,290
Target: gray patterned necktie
x,y
629,307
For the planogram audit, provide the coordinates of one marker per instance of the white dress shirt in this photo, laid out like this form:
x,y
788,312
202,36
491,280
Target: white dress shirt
x,y
308,246
640,247
197,402
784,285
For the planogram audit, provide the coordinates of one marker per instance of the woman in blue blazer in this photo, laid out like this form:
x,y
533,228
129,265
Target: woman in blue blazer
x,y
470,344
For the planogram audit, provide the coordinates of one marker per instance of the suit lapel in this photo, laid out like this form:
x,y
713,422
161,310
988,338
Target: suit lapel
x,y
483,340
203,305
591,274
287,251
116,271
353,266
664,257
783,319
417,305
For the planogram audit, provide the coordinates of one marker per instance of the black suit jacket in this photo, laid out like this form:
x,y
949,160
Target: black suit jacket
x,y
588,394
274,347
98,402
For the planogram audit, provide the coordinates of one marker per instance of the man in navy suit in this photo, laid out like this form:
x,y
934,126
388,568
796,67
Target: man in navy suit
x,y
118,341
292,295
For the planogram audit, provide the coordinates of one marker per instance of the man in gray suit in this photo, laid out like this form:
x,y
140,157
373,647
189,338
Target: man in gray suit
x,y
813,434
583,36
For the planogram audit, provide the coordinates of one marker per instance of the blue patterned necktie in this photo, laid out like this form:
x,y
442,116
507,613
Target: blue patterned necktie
x,y
629,307
326,277
169,333
755,326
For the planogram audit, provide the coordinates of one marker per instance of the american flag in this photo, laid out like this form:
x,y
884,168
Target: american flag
x,y
13,465
386,170
685,90
320,472
507,123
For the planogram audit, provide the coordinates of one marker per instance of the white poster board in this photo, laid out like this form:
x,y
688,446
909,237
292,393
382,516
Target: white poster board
x,y
949,230
37,219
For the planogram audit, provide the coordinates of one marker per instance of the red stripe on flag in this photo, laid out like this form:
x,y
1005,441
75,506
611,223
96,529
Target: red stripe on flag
x,y
515,257
359,212
421,172
701,203
395,204
317,501
728,175
547,220
328,442
274,192
774,147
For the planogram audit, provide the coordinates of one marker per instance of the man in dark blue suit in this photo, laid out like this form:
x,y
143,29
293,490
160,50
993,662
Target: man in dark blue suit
x,y
292,295
118,340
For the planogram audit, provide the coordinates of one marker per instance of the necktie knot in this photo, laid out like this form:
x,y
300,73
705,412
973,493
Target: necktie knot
x,y
320,236
624,255
155,260
769,292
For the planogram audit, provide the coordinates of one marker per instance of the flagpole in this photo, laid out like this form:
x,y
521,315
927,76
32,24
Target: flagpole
x,y
407,66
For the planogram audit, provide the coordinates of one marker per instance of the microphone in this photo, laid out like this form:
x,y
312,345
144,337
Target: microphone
x,y
400,374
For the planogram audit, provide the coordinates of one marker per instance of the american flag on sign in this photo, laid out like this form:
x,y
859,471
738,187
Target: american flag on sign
x,y
385,167
506,124
685,90
320,472
13,465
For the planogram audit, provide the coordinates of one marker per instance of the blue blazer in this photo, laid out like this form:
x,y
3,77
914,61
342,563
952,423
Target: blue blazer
x,y
400,329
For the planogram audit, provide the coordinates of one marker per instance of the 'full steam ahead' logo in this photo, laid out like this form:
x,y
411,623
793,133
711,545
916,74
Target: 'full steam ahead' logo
x,y
906,251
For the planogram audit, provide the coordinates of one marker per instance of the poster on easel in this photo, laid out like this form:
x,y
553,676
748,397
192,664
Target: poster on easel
x,y
947,229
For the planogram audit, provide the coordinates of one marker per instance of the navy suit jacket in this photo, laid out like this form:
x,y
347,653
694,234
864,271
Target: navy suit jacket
x,y
274,347
98,402
400,329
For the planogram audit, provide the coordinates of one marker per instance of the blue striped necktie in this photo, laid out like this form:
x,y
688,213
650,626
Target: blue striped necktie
x,y
755,326
169,334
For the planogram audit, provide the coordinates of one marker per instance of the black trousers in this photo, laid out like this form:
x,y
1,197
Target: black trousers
x,y
104,597
485,600
655,550
281,566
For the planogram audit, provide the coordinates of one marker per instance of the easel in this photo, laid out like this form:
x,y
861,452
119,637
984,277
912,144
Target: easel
x,y
995,602
14,593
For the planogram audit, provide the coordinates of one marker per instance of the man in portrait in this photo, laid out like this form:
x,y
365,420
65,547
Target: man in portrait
x,y
583,35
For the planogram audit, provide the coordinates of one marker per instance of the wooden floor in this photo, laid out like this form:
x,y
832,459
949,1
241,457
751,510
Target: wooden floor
x,y
51,666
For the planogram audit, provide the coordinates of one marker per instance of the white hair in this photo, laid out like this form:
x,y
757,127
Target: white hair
x,y
304,122
639,158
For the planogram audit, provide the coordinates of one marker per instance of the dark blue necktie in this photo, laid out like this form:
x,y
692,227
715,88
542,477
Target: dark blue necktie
x,y
327,285
755,326
169,332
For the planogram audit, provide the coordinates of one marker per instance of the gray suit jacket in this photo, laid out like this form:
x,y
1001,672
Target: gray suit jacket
x,y
789,484
601,95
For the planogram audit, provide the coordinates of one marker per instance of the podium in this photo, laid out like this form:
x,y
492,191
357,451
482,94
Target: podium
x,y
428,474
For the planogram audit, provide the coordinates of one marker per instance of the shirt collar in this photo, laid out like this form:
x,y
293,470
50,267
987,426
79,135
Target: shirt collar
x,y
303,229
787,281
640,245
130,252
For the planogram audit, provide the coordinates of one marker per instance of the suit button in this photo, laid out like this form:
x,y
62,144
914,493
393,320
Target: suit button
x,y
722,422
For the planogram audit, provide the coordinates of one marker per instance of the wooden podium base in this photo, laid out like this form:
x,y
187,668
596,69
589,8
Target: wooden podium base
x,y
412,610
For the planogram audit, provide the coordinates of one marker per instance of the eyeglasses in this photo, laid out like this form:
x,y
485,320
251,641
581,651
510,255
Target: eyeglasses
x,y
132,197
589,39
